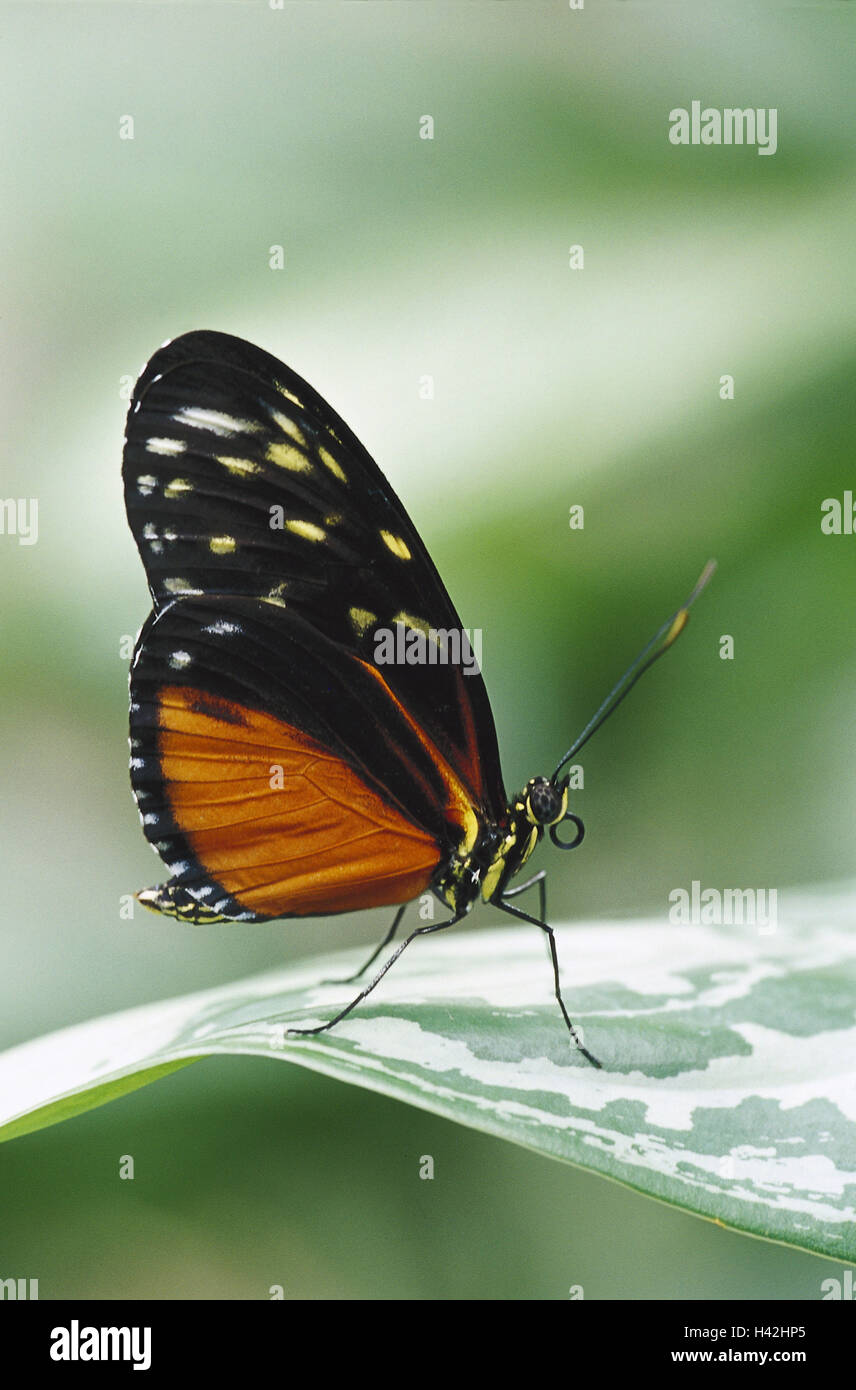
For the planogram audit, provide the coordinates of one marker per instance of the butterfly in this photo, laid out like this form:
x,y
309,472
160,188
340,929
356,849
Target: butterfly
x,y
283,764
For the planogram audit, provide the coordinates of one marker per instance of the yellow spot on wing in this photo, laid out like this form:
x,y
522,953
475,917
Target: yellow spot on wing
x,y
307,529
289,395
287,456
361,620
395,544
471,827
238,466
289,426
409,621
222,545
329,462
276,595
177,487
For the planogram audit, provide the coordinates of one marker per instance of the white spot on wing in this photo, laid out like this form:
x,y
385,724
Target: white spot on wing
x,y
180,586
165,446
217,421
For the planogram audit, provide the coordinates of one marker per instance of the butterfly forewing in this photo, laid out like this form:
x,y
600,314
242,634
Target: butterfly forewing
x,y
240,481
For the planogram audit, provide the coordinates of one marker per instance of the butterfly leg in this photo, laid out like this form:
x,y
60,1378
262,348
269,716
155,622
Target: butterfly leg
x,y
349,979
524,917
541,879
343,1013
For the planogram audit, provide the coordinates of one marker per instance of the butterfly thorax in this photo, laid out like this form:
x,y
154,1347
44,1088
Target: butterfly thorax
x,y
501,849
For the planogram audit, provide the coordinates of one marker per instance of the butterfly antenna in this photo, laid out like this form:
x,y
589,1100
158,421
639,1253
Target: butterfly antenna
x,y
660,643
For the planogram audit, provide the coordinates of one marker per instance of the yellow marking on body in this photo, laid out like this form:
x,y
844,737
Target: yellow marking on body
x,y
492,877
177,487
396,545
222,545
361,620
533,840
329,462
334,519
289,426
307,529
287,456
238,466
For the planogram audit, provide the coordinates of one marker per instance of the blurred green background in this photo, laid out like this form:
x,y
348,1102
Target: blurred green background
x,y
403,257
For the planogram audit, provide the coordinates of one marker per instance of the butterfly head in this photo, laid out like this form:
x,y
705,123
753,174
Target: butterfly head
x,y
544,802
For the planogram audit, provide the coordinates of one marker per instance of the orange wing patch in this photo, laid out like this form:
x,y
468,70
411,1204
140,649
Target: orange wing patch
x,y
282,825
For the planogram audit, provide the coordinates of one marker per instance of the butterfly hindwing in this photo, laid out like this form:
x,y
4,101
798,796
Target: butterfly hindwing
x,y
275,779
240,481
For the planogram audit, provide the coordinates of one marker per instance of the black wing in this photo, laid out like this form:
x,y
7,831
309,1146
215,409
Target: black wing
x,y
241,482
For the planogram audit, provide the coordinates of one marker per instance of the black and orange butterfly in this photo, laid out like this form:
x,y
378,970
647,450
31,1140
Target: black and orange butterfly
x,y
279,768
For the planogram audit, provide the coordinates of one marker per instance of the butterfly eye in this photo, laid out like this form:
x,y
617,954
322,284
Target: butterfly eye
x,y
545,803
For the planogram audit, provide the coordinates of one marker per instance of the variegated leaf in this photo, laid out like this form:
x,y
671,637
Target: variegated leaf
x,y
728,1088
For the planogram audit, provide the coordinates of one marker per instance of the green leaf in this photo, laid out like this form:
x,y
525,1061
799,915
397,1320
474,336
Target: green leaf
x,y
728,1053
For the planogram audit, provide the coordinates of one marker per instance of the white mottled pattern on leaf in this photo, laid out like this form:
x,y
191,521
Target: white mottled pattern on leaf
x,y
728,1085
